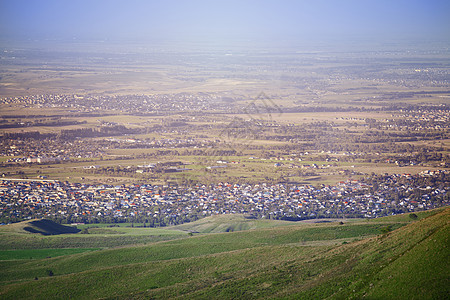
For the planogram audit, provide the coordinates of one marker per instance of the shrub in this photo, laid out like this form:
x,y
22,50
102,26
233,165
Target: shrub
x,y
386,229
413,216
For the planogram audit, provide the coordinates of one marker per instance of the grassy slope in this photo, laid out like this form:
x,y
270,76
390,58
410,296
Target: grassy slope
x,y
407,217
40,226
302,235
13,237
228,223
39,253
264,263
10,241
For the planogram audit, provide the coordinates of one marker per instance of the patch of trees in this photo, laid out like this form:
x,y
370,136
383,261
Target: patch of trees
x,y
41,123
96,132
70,134
36,135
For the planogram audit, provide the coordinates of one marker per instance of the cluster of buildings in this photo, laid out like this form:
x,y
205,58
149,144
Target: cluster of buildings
x,y
65,202
161,143
418,119
49,150
126,103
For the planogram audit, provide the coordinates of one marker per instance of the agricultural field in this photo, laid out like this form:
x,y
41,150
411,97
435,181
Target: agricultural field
x,y
329,107
294,147
330,127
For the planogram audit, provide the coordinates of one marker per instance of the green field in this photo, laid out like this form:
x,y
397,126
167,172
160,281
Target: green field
x,y
39,253
296,260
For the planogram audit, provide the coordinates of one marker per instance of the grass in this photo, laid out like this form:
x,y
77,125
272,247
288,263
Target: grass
x,y
11,241
429,271
229,223
408,217
39,226
260,263
40,253
206,244
126,228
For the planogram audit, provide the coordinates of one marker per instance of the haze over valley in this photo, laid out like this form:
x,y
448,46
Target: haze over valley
x,y
224,132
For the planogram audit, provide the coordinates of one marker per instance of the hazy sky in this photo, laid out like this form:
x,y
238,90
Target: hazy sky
x,y
226,19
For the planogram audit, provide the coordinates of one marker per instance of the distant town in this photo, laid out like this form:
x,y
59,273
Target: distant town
x,y
153,205
288,136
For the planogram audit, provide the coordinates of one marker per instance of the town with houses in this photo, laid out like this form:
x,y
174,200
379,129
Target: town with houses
x,y
217,143
153,205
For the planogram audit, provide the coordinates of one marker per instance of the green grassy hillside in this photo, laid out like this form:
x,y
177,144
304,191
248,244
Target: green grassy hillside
x,y
40,226
14,237
229,223
303,261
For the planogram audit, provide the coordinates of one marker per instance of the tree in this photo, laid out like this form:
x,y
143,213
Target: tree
x,y
386,229
413,216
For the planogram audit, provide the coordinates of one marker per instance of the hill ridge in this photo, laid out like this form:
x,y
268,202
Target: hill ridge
x,y
40,226
406,263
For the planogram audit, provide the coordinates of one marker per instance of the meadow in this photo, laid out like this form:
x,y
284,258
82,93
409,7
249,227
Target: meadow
x,y
300,260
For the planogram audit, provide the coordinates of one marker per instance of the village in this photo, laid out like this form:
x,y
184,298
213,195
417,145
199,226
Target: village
x,y
167,159
159,205
140,104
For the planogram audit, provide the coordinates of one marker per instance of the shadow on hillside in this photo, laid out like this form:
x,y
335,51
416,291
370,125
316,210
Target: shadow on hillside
x,y
47,227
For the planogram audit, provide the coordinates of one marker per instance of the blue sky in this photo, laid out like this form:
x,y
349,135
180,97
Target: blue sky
x,y
192,20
